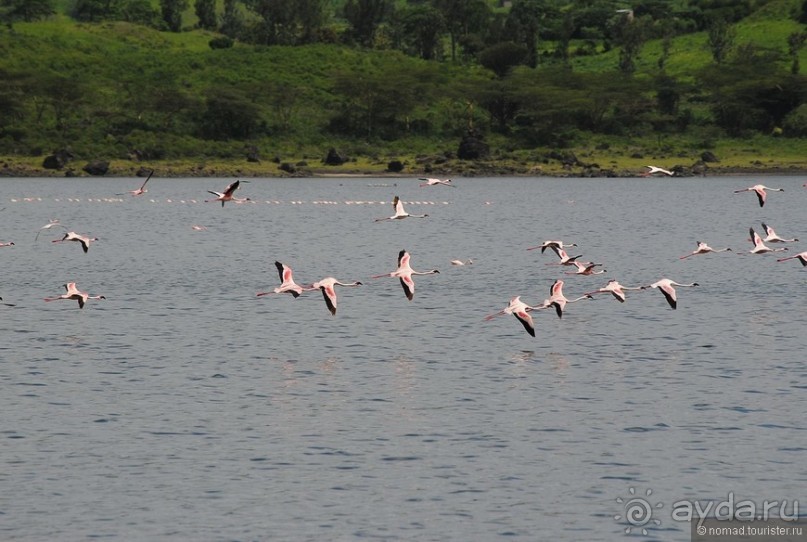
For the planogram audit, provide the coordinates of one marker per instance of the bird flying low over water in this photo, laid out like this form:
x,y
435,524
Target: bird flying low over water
x,y
759,246
227,195
142,190
666,286
9,244
287,283
617,290
771,237
759,190
433,182
72,292
652,170
82,239
521,311
703,248
558,300
327,287
557,246
801,256
54,223
405,273
400,213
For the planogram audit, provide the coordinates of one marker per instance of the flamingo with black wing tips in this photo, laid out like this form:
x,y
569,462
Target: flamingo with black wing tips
x,y
82,239
521,311
759,190
142,190
771,237
554,245
558,300
703,248
667,287
400,213
801,256
405,274
227,195
759,246
287,283
565,259
327,287
73,293
616,289
9,244
586,269
434,182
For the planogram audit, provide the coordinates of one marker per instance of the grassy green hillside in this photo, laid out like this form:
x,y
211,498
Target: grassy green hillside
x,y
109,89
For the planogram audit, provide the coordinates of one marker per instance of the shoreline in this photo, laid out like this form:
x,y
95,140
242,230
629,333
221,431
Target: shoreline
x,y
24,168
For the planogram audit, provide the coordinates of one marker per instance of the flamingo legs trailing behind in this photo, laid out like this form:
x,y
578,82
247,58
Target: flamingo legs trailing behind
x,y
405,274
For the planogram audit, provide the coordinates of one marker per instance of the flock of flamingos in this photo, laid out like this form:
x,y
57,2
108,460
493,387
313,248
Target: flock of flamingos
x,y
405,274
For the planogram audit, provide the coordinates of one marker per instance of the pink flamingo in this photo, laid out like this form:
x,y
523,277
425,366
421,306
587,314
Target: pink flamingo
x,y
82,239
801,256
759,246
433,182
771,237
287,283
666,286
142,190
72,292
703,248
558,300
405,273
9,244
760,189
54,223
554,245
586,269
227,195
400,213
652,170
327,285
616,289
521,311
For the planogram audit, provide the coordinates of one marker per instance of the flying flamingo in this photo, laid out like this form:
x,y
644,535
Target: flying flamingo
x,y
521,311
469,261
565,259
73,236
142,190
287,283
405,273
667,288
703,248
616,289
759,189
771,237
759,246
586,268
652,170
554,245
9,244
74,293
54,223
558,300
801,256
326,285
397,204
227,195
433,182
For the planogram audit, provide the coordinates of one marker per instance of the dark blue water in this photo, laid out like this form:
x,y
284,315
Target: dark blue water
x,y
183,407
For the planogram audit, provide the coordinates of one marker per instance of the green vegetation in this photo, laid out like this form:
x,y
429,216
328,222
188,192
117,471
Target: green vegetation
x,y
268,87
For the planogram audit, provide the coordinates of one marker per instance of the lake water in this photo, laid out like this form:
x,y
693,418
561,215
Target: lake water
x,y
183,407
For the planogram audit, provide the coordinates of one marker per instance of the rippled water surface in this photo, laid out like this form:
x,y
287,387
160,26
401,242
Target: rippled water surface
x,y
183,407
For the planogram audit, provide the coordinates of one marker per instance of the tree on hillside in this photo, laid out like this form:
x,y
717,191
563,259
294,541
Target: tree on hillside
x,y
232,21
462,17
206,13
27,11
795,42
364,16
172,13
721,39
277,21
629,34
524,22
502,57
418,29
